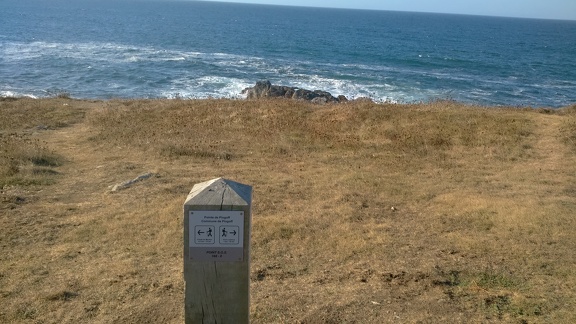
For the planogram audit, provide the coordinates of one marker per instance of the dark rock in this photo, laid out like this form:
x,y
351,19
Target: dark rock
x,y
260,90
265,89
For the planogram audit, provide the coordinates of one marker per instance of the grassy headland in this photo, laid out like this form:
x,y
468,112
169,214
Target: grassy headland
x,y
362,213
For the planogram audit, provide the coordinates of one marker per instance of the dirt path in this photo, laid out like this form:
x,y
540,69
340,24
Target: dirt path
x,y
554,154
86,163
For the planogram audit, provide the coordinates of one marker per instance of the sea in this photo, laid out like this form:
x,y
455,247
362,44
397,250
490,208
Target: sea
x,y
107,49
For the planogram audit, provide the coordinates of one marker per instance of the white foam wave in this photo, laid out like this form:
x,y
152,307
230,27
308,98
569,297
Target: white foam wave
x,y
101,69
220,75
206,87
15,94
94,51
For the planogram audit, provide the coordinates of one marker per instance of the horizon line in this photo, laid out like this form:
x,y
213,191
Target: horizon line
x,y
389,10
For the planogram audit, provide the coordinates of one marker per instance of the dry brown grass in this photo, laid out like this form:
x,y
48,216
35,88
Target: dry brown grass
x,y
363,213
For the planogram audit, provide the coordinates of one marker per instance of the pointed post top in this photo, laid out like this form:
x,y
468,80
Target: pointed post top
x,y
220,192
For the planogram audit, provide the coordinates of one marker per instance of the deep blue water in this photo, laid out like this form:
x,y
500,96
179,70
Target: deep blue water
x,y
166,49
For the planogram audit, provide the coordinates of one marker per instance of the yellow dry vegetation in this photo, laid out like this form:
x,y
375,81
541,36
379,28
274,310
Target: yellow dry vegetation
x,y
363,213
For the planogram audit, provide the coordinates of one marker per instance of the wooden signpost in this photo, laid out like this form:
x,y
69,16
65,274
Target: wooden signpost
x,y
217,223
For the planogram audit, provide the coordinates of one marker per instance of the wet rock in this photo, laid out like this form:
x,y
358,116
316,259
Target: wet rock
x,y
265,89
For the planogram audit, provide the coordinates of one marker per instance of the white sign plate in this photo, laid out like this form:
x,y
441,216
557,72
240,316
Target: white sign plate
x,y
216,235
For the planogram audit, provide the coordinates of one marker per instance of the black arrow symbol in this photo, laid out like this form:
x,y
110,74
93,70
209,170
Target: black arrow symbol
x,y
200,232
233,232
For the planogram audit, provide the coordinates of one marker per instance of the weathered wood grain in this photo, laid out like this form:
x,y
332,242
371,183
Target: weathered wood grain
x,y
218,291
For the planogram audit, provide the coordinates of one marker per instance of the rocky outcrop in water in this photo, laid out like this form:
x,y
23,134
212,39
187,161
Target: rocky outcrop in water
x,y
265,89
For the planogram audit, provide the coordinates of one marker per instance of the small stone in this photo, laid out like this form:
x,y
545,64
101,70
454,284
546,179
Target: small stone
x,y
129,183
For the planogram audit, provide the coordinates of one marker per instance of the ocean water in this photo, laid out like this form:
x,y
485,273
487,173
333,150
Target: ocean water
x,y
102,49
